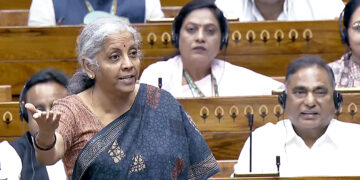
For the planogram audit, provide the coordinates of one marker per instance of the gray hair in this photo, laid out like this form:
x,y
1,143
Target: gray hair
x,y
90,43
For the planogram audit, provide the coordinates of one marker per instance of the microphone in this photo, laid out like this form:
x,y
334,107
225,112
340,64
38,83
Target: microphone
x,y
278,163
160,82
251,122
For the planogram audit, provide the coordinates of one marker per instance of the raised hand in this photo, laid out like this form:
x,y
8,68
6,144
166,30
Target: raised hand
x,y
47,121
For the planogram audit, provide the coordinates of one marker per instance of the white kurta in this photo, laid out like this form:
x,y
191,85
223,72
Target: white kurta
x,y
246,10
335,153
232,80
11,165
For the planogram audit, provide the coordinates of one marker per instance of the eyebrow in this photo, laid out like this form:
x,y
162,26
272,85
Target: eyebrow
x,y
134,46
196,24
304,88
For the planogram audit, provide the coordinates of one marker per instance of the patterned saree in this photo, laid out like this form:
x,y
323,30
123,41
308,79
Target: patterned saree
x,y
155,139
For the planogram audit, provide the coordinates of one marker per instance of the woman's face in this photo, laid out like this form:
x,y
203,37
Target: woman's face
x,y
200,36
354,33
119,63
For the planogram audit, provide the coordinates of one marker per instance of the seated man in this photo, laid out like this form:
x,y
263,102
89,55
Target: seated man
x,y
310,142
17,158
288,10
70,12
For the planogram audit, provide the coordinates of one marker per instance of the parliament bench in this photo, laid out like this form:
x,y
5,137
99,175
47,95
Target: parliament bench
x,y
265,47
25,4
19,17
5,93
223,122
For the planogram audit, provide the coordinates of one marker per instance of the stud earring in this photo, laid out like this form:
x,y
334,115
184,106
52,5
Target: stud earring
x,y
91,76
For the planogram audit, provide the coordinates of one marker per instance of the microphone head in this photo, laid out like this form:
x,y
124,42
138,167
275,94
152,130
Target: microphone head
x,y
278,163
251,119
277,160
160,82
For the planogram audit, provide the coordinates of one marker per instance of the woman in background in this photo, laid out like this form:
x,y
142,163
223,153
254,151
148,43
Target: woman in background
x,y
347,69
199,32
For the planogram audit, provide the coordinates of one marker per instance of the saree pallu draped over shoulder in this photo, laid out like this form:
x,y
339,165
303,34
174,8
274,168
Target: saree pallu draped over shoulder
x,y
155,139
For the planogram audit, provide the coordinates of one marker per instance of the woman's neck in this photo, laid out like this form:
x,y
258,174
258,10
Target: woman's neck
x,y
270,11
196,71
356,59
108,106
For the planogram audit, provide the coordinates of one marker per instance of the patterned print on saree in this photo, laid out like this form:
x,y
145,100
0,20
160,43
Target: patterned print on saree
x,y
116,153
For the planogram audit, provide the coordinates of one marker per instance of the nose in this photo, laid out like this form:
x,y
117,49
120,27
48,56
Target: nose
x,y
310,100
127,64
200,36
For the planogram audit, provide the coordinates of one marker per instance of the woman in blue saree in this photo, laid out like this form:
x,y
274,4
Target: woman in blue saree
x,y
114,128
155,139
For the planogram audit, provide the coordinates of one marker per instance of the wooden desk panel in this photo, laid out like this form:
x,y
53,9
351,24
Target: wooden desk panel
x,y
15,4
5,93
225,137
31,49
17,17
10,124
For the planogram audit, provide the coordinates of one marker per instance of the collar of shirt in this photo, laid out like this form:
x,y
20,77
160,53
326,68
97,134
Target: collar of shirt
x,y
293,139
258,17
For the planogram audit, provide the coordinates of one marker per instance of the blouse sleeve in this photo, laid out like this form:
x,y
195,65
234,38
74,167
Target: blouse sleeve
x,y
66,123
202,162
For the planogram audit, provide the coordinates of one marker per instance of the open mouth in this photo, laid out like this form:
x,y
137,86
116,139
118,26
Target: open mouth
x,y
127,77
309,115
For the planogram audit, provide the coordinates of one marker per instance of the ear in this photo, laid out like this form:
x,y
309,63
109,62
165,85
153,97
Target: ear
x,y
88,67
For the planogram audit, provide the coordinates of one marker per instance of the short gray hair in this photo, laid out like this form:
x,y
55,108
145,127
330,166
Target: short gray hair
x,y
91,41
92,37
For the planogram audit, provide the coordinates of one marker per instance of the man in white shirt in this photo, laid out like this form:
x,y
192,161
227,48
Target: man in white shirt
x,y
282,10
310,142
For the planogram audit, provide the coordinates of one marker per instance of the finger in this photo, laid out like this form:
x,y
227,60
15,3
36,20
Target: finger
x,y
50,116
40,114
57,117
31,108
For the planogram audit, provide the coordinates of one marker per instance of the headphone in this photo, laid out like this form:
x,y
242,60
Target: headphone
x,y
337,97
224,26
23,113
343,31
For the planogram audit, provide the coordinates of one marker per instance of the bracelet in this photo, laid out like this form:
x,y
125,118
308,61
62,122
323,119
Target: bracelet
x,y
43,149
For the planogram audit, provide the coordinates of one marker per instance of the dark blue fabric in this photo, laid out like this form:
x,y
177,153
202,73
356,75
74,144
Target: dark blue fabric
x,y
157,132
31,169
72,12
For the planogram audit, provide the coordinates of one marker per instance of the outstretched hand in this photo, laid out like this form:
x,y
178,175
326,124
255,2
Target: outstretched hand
x,y
47,121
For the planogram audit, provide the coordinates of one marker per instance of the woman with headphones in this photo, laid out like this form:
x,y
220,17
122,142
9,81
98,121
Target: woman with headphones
x,y
198,32
347,68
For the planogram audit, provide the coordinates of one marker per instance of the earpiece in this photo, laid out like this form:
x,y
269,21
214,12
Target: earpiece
x,y
282,99
23,113
338,100
343,31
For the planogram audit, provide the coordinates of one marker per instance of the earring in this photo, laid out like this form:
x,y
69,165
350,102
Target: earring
x,y
91,76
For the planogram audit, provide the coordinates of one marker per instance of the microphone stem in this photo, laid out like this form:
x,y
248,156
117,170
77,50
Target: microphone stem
x,y
250,166
251,121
